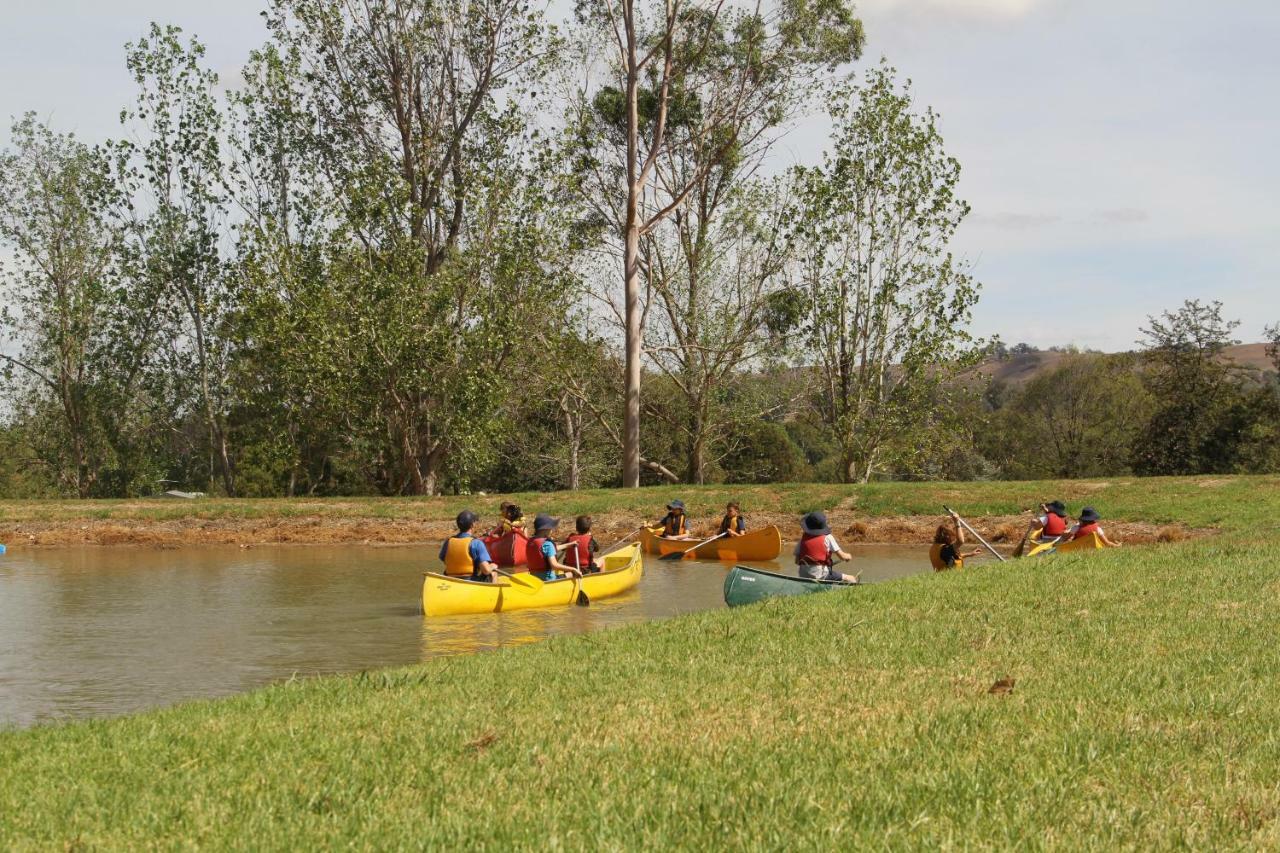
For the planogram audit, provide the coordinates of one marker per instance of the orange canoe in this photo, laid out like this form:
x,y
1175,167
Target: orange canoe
x,y
751,547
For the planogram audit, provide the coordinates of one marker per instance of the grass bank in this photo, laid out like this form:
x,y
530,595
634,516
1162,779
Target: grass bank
x,y
1124,698
885,512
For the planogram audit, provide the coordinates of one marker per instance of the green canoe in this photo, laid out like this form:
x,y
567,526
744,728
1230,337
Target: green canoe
x,y
747,586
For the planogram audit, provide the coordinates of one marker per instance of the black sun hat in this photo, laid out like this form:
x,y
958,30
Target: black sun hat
x,y
676,504
1057,508
1089,515
815,524
542,521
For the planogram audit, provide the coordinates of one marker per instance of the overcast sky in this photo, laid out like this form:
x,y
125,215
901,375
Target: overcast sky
x,y
1120,155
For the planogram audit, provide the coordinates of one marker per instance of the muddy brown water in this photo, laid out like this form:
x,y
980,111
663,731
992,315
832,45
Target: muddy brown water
x,y
98,632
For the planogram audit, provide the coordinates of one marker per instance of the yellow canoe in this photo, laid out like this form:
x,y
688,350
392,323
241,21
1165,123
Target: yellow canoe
x,y
752,546
1091,542
446,596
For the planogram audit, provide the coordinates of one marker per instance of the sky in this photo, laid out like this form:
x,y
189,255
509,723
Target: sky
x,y
1119,156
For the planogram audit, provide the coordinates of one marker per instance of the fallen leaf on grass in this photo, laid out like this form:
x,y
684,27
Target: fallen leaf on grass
x,y
1004,685
483,742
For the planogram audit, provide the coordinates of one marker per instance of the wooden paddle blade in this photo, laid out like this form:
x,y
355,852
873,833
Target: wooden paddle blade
x,y
674,555
525,582
581,599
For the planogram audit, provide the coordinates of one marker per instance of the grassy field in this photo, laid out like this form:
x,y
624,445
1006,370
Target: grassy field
x,y
1126,698
1196,502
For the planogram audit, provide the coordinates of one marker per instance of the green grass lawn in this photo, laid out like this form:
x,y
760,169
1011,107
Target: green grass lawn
x,y
1194,501
1143,713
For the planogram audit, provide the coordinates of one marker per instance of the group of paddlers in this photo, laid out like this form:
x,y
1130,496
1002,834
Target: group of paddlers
x,y
1051,526
816,553
465,553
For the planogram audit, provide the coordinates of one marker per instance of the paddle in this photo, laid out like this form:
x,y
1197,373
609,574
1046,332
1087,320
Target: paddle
x,y
624,539
581,598
680,555
524,581
975,533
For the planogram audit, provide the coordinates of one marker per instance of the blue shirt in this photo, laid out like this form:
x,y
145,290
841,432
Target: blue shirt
x,y
548,550
477,550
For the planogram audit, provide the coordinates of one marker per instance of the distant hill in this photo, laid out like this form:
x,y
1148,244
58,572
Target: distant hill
x,y
1020,369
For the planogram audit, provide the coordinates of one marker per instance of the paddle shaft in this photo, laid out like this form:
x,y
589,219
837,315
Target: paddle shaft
x,y
997,554
580,598
682,554
529,581
623,539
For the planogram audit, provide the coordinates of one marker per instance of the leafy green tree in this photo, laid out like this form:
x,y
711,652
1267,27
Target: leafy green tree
x,y
59,289
175,173
885,302
1193,385
1082,419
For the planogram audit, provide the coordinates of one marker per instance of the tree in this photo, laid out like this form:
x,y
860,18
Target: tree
x,y
177,168
1273,345
1081,419
884,302
427,240
1192,384
690,76
59,292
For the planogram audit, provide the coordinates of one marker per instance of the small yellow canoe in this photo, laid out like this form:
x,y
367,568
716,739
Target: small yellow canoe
x,y
446,596
1092,542
753,546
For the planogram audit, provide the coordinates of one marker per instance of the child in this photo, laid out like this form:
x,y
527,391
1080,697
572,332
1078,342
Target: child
x,y
945,553
1052,523
512,520
542,550
466,556
1089,519
817,549
733,523
673,525
581,548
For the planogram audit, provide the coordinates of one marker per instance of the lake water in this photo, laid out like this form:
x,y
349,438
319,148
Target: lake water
x,y
96,632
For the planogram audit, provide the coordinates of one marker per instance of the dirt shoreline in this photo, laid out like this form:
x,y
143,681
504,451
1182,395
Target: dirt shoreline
x,y
316,530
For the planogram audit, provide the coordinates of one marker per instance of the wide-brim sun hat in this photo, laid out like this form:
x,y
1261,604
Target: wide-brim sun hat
x,y
815,524
542,521
676,504
1089,515
1057,507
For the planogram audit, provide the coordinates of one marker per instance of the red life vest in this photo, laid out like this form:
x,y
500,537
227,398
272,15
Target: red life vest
x,y
1054,525
1085,530
814,551
534,558
579,557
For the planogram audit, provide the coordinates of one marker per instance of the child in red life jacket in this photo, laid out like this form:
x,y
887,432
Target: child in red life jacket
x,y
581,549
817,549
1052,523
1089,519
541,553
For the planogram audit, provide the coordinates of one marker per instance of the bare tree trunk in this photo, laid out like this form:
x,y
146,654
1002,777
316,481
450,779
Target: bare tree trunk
x,y
631,265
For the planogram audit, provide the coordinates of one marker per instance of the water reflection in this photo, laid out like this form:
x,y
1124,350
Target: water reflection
x,y
96,632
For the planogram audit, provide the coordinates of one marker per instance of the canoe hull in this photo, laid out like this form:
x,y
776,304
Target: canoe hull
x,y
744,586
1092,542
446,596
755,546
